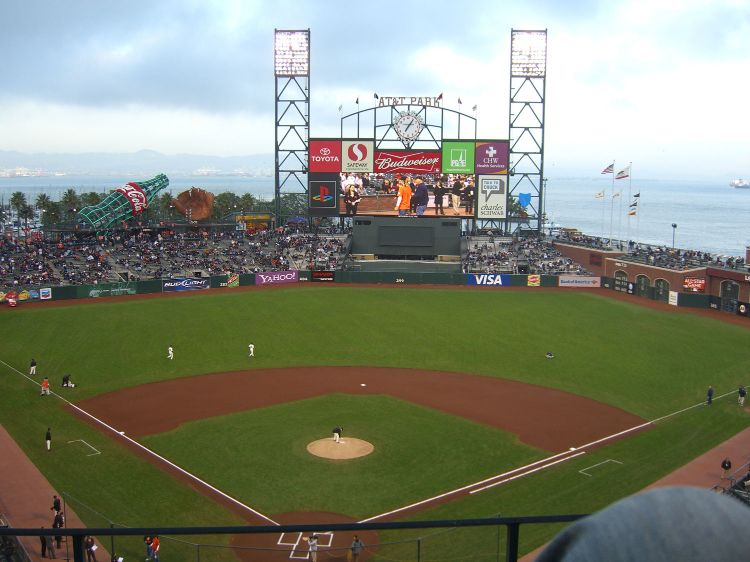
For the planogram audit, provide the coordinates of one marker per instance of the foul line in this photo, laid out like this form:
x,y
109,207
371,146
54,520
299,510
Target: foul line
x,y
537,469
149,451
505,475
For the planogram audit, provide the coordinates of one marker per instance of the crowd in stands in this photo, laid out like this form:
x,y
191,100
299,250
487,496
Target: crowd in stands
x,y
533,254
660,256
121,256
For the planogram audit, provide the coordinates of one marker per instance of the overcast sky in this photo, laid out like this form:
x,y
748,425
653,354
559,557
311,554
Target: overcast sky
x,y
664,84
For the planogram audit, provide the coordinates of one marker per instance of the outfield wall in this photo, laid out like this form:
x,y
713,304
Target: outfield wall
x,y
227,282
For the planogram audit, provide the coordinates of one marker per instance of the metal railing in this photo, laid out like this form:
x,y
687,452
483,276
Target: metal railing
x,y
512,531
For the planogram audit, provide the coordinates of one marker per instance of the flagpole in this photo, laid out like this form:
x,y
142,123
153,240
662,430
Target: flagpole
x,y
630,197
619,222
612,205
604,209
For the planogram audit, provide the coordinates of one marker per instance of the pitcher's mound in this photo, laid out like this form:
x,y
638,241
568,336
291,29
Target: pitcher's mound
x,y
347,448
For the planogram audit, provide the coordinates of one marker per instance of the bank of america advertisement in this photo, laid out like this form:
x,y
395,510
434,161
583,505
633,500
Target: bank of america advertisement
x,y
458,157
357,156
492,196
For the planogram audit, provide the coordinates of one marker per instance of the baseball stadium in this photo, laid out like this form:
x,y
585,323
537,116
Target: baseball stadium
x,y
354,384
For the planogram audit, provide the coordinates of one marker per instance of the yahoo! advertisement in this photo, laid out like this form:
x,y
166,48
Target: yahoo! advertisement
x,y
276,277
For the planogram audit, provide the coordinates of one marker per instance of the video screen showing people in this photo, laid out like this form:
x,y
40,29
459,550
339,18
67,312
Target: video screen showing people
x,y
407,195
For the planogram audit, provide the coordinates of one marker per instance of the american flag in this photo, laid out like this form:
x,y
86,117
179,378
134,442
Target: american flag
x,y
609,169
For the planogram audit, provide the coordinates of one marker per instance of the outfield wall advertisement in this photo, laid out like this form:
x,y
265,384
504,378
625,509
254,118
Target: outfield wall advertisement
x,y
185,284
276,277
501,279
579,281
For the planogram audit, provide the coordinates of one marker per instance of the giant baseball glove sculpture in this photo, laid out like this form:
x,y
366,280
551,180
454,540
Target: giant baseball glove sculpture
x,y
195,204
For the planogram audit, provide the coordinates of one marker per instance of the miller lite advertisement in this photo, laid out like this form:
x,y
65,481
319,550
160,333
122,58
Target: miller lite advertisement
x,y
492,157
323,193
325,155
357,156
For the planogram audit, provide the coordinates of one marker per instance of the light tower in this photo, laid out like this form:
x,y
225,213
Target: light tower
x,y
291,66
528,70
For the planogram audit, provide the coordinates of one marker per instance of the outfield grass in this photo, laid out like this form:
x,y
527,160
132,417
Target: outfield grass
x,y
419,453
645,361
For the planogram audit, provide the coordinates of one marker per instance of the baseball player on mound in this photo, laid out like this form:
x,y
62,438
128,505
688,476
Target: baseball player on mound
x,y
337,431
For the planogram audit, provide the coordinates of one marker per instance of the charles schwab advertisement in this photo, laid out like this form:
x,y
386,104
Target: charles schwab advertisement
x,y
491,200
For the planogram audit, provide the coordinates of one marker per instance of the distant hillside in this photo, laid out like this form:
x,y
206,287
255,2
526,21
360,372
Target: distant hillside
x,y
141,163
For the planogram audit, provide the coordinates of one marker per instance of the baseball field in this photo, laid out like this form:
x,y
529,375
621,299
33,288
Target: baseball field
x,y
467,416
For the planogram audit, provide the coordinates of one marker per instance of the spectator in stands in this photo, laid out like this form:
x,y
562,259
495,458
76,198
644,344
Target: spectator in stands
x,y
678,523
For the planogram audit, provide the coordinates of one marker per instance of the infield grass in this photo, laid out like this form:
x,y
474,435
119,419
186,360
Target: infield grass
x,y
418,453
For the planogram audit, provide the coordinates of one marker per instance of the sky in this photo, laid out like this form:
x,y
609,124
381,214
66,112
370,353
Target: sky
x,y
663,85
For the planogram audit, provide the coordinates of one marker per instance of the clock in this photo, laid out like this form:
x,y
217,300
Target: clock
x,y
407,125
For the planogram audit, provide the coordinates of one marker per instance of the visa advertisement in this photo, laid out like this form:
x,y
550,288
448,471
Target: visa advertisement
x,y
485,279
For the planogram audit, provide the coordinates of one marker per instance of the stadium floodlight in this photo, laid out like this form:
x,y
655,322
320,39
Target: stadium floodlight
x,y
528,53
291,52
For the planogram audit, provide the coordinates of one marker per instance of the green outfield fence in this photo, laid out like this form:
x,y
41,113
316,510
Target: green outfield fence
x,y
150,286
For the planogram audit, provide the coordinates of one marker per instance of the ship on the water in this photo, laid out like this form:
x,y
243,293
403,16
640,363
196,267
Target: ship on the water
x,y
741,183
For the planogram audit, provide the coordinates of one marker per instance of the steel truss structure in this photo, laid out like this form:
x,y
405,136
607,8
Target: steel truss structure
x,y
528,70
292,114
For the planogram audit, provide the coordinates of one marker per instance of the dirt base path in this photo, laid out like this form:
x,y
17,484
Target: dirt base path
x,y
542,417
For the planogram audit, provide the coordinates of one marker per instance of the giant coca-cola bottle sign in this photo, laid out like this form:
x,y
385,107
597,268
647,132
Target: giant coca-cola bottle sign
x,y
135,196
407,162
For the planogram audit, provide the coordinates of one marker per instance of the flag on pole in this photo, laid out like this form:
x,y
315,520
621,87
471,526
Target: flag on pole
x,y
375,95
342,105
632,213
624,173
609,169
357,102
599,195
637,195
615,195
459,101
474,108
440,96
634,204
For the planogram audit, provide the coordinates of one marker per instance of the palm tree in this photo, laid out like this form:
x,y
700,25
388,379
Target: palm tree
x,y
18,202
90,199
51,214
70,202
42,201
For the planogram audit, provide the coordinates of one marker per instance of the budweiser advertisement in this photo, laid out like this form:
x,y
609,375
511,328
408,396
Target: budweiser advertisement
x,y
357,156
325,155
492,157
413,162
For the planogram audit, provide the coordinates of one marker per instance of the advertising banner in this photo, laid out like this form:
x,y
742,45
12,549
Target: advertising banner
x,y
325,155
357,156
413,162
135,196
458,157
45,294
276,277
743,308
694,284
492,157
534,281
492,196
579,281
233,280
323,194
112,290
184,284
488,279
673,298
322,276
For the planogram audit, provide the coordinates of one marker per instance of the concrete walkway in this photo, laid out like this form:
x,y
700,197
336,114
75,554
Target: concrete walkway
x,y
702,472
26,500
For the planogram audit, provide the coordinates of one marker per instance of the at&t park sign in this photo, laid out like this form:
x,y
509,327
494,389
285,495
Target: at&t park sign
x,y
411,100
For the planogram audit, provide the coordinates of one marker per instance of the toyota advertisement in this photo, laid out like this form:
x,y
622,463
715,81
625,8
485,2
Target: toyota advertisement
x,y
325,155
184,284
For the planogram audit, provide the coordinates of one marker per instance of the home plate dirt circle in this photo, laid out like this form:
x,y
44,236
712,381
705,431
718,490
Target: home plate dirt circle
x,y
347,448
